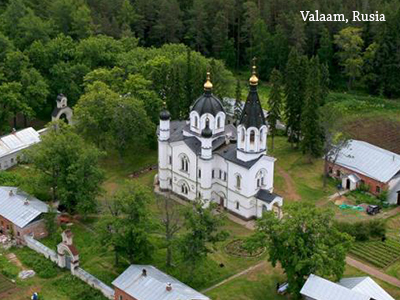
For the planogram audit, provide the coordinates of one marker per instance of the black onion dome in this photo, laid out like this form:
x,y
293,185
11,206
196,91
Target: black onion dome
x,y
208,103
252,114
206,132
165,115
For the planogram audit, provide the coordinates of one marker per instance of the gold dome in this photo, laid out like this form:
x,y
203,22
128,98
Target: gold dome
x,y
253,79
208,85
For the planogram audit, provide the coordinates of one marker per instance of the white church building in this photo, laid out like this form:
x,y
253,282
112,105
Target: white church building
x,y
207,158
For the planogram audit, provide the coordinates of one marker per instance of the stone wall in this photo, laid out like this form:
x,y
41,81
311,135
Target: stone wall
x,y
94,283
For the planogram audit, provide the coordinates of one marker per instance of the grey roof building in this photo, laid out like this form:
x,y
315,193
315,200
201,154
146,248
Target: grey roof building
x,y
357,288
145,282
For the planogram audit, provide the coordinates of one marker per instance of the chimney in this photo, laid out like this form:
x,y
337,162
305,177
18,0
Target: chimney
x,y
14,130
26,202
144,273
169,287
11,193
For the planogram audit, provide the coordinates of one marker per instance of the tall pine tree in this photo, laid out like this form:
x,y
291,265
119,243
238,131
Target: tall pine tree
x,y
294,95
311,130
275,103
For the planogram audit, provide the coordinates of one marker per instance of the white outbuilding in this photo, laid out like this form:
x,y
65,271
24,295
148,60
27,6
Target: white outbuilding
x,y
13,144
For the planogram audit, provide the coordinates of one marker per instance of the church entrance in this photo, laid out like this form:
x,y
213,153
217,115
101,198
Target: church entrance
x,y
221,202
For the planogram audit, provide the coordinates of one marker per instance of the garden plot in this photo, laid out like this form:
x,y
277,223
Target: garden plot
x,y
377,253
5,285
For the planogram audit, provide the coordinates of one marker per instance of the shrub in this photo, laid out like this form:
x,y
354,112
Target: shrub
x,y
363,231
43,267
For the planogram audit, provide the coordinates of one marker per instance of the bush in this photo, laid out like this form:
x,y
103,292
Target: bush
x,y
43,267
363,231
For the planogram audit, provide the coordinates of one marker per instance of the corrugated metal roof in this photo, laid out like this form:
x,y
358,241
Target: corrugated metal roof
x,y
15,207
153,285
367,286
18,140
369,160
321,289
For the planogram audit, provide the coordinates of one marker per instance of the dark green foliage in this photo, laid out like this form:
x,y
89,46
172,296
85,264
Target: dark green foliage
x,y
304,241
312,134
203,230
275,103
363,230
68,168
44,267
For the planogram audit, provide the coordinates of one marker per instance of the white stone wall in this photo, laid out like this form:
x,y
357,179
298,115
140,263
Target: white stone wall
x,y
9,161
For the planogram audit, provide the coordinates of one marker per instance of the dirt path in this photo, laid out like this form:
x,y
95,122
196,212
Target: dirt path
x,y
14,259
372,271
252,268
290,191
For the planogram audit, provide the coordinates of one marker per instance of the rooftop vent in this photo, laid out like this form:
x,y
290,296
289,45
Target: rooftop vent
x,y
169,287
144,273
11,193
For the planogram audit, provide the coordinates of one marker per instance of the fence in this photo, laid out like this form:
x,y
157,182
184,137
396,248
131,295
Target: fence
x,y
80,273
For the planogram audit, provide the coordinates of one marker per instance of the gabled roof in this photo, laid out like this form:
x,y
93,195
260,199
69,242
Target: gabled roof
x,y
366,285
321,289
369,160
18,207
153,285
357,288
266,196
18,140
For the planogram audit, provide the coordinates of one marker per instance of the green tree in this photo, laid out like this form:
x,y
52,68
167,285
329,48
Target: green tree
x,y
127,227
203,229
311,130
168,28
275,103
304,241
350,43
294,93
10,103
325,51
68,167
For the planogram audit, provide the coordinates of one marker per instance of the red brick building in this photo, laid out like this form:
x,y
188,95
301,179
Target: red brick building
x,y
21,214
144,282
361,163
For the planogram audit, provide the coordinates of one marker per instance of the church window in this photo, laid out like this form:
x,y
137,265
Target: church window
x,y
196,122
237,205
184,189
170,160
262,180
199,173
220,174
238,181
258,182
219,122
252,136
184,164
243,135
212,173
224,176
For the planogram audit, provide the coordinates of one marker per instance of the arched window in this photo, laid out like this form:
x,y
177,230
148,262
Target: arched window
x,y
196,122
238,181
184,189
184,163
261,178
243,135
237,205
252,136
219,122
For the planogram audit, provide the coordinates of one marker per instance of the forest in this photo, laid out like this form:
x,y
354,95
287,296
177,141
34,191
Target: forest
x,y
51,47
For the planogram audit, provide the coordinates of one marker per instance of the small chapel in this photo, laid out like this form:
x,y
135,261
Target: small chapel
x,y
204,157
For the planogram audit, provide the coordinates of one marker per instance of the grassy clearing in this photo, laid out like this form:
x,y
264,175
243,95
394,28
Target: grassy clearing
x,y
306,177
